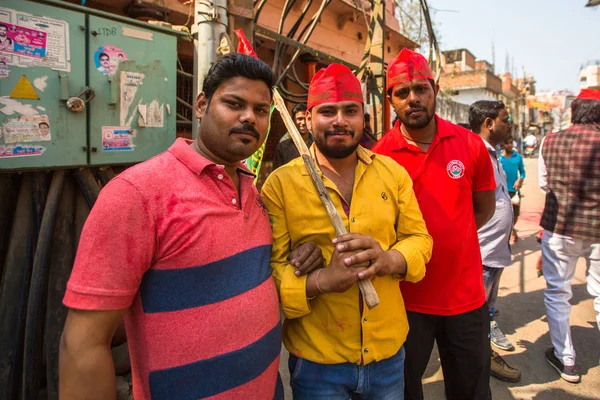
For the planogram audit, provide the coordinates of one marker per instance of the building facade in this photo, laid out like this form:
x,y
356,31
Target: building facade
x,y
467,80
589,74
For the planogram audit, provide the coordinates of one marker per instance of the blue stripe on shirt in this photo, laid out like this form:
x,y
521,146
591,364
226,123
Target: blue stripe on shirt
x,y
185,288
215,375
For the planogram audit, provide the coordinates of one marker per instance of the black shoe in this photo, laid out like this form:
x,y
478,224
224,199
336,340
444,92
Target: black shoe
x,y
568,373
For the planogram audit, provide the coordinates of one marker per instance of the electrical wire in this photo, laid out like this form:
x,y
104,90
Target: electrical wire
x,y
259,8
297,79
298,22
432,40
305,38
286,8
281,50
292,31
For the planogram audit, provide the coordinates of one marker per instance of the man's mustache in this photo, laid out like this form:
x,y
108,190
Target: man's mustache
x,y
330,132
415,109
245,129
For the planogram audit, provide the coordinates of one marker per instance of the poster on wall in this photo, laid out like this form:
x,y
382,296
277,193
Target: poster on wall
x,y
21,150
129,86
6,16
57,51
22,41
107,59
117,138
155,117
57,41
25,129
3,66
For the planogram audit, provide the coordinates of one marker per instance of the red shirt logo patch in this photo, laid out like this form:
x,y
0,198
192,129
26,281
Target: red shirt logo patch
x,y
455,169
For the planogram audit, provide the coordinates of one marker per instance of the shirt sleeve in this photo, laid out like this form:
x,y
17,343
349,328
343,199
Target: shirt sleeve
x,y
542,172
483,177
117,246
521,168
291,288
414,242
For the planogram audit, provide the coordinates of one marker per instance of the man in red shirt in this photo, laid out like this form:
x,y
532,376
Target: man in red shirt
x,y
454,184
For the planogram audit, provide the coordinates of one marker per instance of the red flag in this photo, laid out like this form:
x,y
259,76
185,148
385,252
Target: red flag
x,y
244,45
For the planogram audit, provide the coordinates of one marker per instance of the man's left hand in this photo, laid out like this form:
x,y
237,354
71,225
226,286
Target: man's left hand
x,y
306,258
518,184
381,262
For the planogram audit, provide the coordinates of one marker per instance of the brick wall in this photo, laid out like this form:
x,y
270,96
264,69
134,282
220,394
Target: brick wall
x,y
469,60
493,83
471,80
465,79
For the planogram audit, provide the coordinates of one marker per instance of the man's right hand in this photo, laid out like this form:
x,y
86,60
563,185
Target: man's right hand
x,y
338,277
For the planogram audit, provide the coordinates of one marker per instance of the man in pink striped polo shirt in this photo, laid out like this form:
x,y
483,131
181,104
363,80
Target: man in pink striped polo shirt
x,y
180,246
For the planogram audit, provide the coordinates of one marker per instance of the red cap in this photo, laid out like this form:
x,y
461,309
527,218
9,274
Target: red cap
x,y
407,66
589,94
334,84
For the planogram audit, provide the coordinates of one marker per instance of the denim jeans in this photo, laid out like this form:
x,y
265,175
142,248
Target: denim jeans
x,y
382,380
559,258
491,283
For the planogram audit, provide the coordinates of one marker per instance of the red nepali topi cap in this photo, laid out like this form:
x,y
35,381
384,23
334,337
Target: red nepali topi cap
x,y
589,94
407,66
334,84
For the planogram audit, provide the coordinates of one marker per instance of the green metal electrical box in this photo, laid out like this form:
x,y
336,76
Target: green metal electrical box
x,y
80,87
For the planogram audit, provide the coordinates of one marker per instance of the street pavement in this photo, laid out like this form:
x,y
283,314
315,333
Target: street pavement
x,y
522,319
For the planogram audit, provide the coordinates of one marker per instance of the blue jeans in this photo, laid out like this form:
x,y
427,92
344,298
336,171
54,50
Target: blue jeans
x,y
382,380
491,283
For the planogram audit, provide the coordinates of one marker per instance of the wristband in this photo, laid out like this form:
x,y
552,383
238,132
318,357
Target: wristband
x,y
317,281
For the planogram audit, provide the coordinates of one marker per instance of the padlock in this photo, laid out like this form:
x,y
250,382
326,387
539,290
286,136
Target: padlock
x,y
77,103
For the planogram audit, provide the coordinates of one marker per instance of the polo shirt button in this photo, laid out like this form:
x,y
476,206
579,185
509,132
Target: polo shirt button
x,y
353,220
233,201
366,350
220,176
365,319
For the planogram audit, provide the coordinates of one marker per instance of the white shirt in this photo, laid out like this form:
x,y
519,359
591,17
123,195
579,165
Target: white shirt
x,y
494,235
542,172
530,140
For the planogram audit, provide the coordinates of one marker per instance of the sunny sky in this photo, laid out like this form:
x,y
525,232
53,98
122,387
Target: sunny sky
x,y
550,38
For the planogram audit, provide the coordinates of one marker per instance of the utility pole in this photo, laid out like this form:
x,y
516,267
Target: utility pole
x,y
210,21
377,68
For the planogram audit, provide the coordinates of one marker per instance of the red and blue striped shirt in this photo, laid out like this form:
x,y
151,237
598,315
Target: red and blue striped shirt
x,y
171,240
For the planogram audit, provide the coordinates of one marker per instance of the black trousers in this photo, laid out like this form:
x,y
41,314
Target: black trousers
x,y
464,344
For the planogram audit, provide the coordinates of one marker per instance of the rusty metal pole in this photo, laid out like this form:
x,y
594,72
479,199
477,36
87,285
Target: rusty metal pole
x,y
377,67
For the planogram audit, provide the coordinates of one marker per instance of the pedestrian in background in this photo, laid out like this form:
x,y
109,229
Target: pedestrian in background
x,y
454,184
571,222
368,139
286,149
338,347
512,162
489,119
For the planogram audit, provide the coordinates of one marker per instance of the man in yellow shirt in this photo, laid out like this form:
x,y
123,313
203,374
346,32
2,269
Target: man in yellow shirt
x,y
338,347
